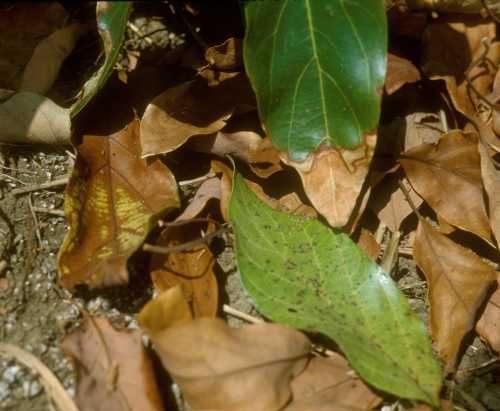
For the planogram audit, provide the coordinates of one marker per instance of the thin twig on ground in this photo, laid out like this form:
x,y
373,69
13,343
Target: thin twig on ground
x,y
53,387
59,213
51,184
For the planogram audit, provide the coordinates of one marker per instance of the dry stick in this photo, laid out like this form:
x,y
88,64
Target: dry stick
x,y
59,213
391,253
53,387
51,184
197,180
162,223
35,222
186,246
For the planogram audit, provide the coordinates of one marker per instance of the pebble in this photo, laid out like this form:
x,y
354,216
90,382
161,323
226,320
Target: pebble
x,y
4,391
11,373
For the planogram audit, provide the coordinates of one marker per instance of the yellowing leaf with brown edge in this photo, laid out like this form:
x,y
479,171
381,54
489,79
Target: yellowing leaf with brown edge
x,y
192,108
112,201
448,177
488,325
333,179
192,269
113,370
449,47
331,384
222,368
459,282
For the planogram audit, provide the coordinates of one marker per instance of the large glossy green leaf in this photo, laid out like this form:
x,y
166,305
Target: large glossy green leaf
x,y
316,67
112,19
300,273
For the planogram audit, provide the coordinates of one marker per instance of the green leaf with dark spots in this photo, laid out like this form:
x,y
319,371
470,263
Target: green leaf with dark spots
x,y
112,17
301,273
317,67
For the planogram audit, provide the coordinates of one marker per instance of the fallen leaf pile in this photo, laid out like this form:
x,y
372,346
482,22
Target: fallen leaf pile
x,y
268,146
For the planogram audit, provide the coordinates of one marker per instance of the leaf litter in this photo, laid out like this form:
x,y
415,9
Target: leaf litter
x,y
260,163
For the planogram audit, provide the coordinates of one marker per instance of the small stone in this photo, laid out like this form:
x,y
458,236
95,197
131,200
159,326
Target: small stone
x,y
4,391
11,373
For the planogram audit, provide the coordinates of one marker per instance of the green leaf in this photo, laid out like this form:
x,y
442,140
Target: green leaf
x,y
112,19
300,273
316,67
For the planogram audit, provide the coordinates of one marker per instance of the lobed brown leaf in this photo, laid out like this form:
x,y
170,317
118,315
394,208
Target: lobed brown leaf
x,y
227,56
488,325
458,281
491,181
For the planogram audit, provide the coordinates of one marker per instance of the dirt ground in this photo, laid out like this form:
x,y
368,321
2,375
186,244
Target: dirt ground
x,y
36,312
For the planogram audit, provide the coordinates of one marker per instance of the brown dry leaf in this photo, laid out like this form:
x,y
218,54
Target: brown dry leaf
x,y
22,26
226,56
192,108
421,128
209,189
249,146
448,177
333,179
449,47
31,118
368,244
491,181
114,371
226,186
43,68
112,201
400,71
458,285
227,369
457,6
389,202
330,384
192,269
488,325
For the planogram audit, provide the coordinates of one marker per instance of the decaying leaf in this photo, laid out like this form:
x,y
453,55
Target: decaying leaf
x,y
114,371
226,184
449,47
112,201
209,189
192,108
368,244
333,179
31,118
459,282
22,26
421,128
448,177
400,71
222,368
193,269
43,68
330,384
226,56
488,325
249,146
491,181
389,201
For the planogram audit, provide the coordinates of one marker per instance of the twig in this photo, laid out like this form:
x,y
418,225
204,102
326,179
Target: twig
x,y
391,253
186,246
379,234
53,387
196,181
162,223
51,184
410,201
241,315
480,366
59,213
35,222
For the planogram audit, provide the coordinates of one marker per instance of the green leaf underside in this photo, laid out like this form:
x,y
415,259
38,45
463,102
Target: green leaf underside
x,y
316,67
112,23
300,273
